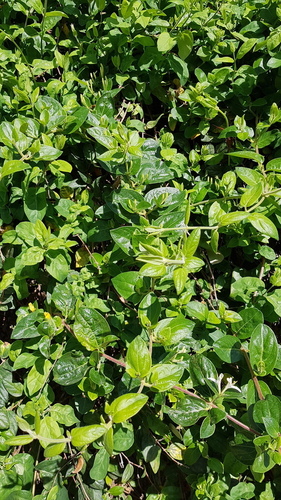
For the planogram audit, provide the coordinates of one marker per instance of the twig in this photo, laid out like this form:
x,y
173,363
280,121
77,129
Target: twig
x,y
116,361
213,284
229,417
253,376
130,462
167,453
261,273
177,388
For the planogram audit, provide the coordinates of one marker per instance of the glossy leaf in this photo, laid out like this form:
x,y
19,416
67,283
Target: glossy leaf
x,y
264,225
81,436
149,310
138,359
251,317
88,325
263,350
126,406
164,376
12,166
188,411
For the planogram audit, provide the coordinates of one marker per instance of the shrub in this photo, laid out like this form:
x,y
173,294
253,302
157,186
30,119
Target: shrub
x,y
141,269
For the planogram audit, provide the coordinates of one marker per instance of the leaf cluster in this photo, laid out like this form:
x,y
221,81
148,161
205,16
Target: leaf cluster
x,y
140,186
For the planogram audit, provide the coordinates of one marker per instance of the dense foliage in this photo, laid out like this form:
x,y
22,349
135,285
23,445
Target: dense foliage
x,y
140,190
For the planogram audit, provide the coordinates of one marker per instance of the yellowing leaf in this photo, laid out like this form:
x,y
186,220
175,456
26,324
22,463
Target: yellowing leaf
x,y
81,257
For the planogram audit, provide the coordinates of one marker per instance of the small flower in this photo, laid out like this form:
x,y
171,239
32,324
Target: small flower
x,y
230,384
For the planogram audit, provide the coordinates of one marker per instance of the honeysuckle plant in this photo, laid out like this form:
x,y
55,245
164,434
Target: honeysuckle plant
x,y
140,259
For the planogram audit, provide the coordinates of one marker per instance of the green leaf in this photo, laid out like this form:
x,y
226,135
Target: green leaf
x,y
12,166
100,466
38,375
245,48
274,298
108,441
251,318
56,13
36,5
242,490
173,330
63,414
191,243
76,120
125,284
88,325
35,203
181,69
274,62
249,155
53,450
33,255
164,376
263,350
128,473
82,436
264,225
202,370
228,348
244,288
180,278
47,153
153,270
251,195
244,452
122,236
138,359
61,165
6,281
49,429
149,310
57,264
232,218
188,411
103,137
268,413
263,462
123,436
126,406
185,44
19,440
249,176
24,360
267,252
274,165
26,328
63,299
207,428
165,42
70,368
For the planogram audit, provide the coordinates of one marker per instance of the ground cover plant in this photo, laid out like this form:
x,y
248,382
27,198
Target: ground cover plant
x,y
140,189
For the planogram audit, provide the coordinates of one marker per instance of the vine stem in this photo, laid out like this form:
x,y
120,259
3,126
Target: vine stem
x,y
185,391
253,376
192,394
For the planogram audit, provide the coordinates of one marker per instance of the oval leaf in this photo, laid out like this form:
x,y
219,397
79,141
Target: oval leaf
x,y
81,436
263,350
126,406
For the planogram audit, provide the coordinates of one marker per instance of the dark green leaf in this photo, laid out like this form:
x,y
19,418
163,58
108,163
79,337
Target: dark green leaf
x,y
88,325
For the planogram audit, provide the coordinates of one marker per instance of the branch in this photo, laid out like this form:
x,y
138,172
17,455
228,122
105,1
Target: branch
x,y
177,388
